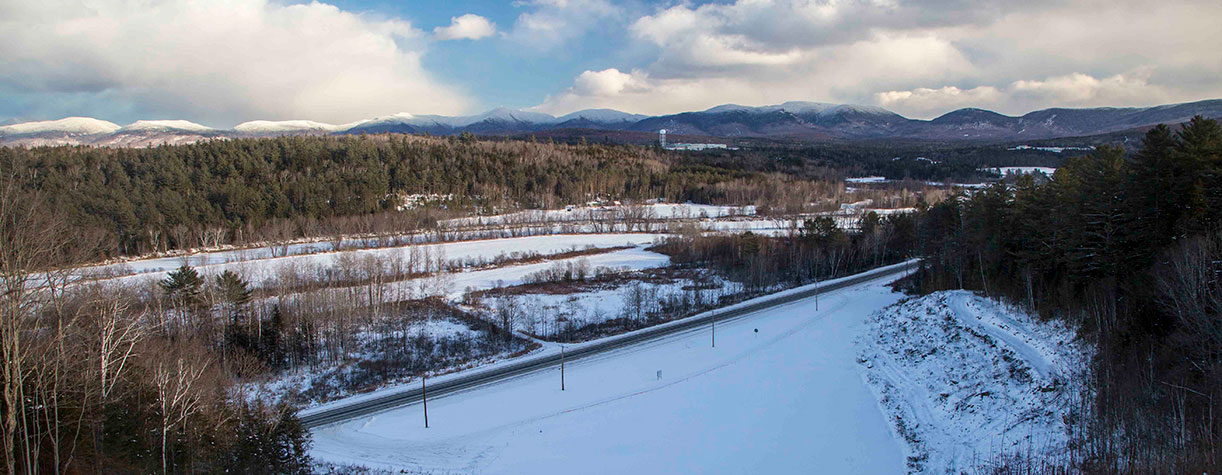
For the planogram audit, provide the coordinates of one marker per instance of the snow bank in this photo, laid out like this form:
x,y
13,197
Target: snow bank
x,y
965,379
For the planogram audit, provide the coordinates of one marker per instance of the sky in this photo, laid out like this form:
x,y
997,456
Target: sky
x,y
222,62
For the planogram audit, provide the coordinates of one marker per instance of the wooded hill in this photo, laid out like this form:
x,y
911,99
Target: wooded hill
x,y
1129,249
132,201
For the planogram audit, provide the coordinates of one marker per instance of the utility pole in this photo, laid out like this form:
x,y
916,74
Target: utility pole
x,y
425,396
562,367
713,320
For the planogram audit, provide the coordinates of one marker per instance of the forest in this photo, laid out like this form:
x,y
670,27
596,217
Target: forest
x,y
1124,245
126,201
1127,248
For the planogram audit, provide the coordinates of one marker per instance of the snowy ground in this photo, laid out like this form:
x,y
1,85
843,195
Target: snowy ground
x,y
261,262
453,285
257,264
651,211
1050,149
310,387
1003,171
964,378
866,179
589,304
788,399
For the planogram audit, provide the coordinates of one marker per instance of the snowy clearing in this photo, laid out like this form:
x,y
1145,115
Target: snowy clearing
x,y
436,345
259,264
665,211
453,285
548,310
1050,149
964,379
866,179
788,399
1003,171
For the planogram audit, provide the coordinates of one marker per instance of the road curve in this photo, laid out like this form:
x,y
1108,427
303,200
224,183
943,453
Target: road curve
x,y
366,406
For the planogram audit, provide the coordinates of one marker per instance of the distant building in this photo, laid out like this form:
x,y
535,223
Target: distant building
x,y
687,146
856,206
696,146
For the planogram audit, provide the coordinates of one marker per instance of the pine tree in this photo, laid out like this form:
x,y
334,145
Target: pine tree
x,y
184,287
1199,153
234,296
272,348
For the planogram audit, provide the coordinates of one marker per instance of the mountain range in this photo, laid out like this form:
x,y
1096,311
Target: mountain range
x,y
804,121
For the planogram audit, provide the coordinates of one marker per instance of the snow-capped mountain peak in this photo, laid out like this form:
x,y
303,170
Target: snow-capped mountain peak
x,y
165,125
603,116
507,114
69,125
282,126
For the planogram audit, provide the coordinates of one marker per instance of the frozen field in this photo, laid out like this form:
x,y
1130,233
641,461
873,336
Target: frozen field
x,y
453,285
1003,171
542,313
788,399
258,265
651,211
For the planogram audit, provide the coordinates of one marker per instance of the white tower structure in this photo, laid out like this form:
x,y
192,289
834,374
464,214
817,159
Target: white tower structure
x,y
662,137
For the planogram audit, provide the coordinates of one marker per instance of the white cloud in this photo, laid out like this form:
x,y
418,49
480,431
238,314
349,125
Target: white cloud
x,y
466,27
827,74
1079,89
220,61
925,102
922,58
608,82
1024,95
551,24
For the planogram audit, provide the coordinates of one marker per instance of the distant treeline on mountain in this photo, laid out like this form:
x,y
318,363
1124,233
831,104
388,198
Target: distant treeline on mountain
x,y
802,121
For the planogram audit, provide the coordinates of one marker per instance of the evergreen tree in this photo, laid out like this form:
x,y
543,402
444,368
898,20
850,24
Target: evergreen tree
x,y
270,441
1199,154
184,287
233,289
272,348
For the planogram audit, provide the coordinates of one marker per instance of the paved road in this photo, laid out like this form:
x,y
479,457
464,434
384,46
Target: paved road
x,y
364,406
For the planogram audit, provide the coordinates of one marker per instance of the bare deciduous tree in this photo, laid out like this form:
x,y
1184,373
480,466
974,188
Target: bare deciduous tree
x,y
177,396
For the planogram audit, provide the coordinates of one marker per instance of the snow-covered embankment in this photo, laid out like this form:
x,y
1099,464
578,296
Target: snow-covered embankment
x,y
964,380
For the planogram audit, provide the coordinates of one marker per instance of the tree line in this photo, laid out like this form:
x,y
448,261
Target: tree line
x,y
92,384
125,201
1128,248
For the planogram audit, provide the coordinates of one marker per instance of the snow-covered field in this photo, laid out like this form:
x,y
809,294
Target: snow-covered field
x,y
467,347
623,260
1050,149
1003,171
964,379
542,313
788,399
666,211
866,179
259,264
453,285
